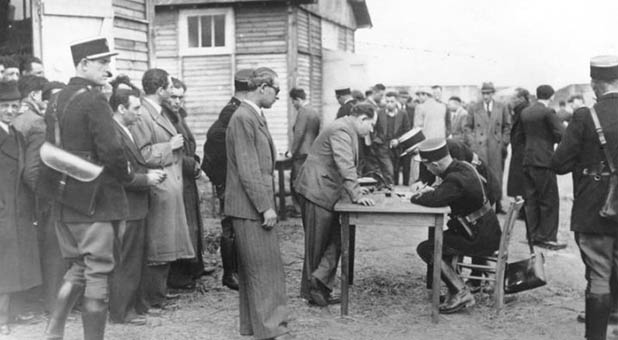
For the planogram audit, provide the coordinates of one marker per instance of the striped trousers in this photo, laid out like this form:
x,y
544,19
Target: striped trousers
x,y
263,309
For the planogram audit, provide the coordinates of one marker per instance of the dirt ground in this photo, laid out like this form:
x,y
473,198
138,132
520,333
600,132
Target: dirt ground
x,y
388,300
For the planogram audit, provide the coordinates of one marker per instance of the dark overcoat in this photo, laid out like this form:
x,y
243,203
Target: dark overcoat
x,y
542,129
19,253
215,156
87,129
580,152
515,181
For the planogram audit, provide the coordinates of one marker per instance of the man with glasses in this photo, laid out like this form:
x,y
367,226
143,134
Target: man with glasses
x,y
249,202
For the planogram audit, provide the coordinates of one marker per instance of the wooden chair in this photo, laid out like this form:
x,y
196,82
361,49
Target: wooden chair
x,y
498,267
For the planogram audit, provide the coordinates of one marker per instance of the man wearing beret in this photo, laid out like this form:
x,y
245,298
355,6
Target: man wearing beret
x,y
214,165
86,128
19,255
541,130
579,152
329,173
344,97
473,229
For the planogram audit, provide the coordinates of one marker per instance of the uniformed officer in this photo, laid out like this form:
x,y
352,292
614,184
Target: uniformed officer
x,y
345,99
579,152
474,229
87,129
214,166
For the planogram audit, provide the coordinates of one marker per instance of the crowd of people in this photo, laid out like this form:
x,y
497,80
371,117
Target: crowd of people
x,y
101,204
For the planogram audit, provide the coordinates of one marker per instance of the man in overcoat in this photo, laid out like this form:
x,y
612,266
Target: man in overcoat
x,y
87,240
19,255
167,231
184,273
490,124
249,202
214,165
329,173
515,181
580,153
542,130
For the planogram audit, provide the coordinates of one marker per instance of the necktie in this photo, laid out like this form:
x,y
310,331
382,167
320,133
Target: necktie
x,y
488,110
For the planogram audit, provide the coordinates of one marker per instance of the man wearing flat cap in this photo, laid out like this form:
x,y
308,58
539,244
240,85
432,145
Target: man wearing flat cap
x,y
489,123
86,129
473,229
19,255
580,152
214,165
542,129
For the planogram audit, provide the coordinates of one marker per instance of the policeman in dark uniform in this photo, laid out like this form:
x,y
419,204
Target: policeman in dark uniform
x,y
579,152
214,166
345,99
87,240
474,229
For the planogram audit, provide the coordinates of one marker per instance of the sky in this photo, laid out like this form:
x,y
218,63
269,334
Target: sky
x,y
466,42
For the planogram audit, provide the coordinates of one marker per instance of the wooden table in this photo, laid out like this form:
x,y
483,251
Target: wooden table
x,y
390,211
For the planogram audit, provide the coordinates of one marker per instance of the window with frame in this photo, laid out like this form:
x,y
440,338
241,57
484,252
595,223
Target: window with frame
x,y
206,31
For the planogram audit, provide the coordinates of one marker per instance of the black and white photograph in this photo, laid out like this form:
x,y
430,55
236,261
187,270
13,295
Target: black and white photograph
x,y
308,170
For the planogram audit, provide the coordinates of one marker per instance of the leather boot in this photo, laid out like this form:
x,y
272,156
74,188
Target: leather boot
x,y
68,294
94,317
228,259
460,296
597,315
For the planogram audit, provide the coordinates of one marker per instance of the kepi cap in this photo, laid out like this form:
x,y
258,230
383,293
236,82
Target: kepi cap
x,y
432,150
604,67
91,49
342,92
242,78
9,91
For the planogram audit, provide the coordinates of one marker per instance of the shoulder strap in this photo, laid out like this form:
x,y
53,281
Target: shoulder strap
x,y
55,114
599,129
479,177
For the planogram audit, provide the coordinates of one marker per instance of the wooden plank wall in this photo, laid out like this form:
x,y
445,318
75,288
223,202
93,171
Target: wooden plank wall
x,y
131,37
309,65
261,33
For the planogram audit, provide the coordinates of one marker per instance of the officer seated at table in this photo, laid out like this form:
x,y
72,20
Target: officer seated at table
x,y
473,228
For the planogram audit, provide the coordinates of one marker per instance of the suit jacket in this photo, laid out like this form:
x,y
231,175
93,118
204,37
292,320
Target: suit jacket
x,y
251,155
458,125
19,251
345,109
306,129
330,167
381,128
542,129
215,156
579,150
409,109
430,116
87,129
138,189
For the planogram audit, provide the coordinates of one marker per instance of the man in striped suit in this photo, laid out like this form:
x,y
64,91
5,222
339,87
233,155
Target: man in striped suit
x,y
249,202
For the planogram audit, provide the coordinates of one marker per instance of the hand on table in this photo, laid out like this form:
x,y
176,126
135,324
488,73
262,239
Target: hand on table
x,y
365,190
366,201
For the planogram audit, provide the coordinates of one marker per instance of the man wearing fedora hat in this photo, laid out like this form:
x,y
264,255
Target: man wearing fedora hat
x,y
489,124
86,128
580,152
19,256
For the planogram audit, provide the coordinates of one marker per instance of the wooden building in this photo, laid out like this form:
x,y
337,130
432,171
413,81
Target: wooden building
x,y
202,42
205,41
